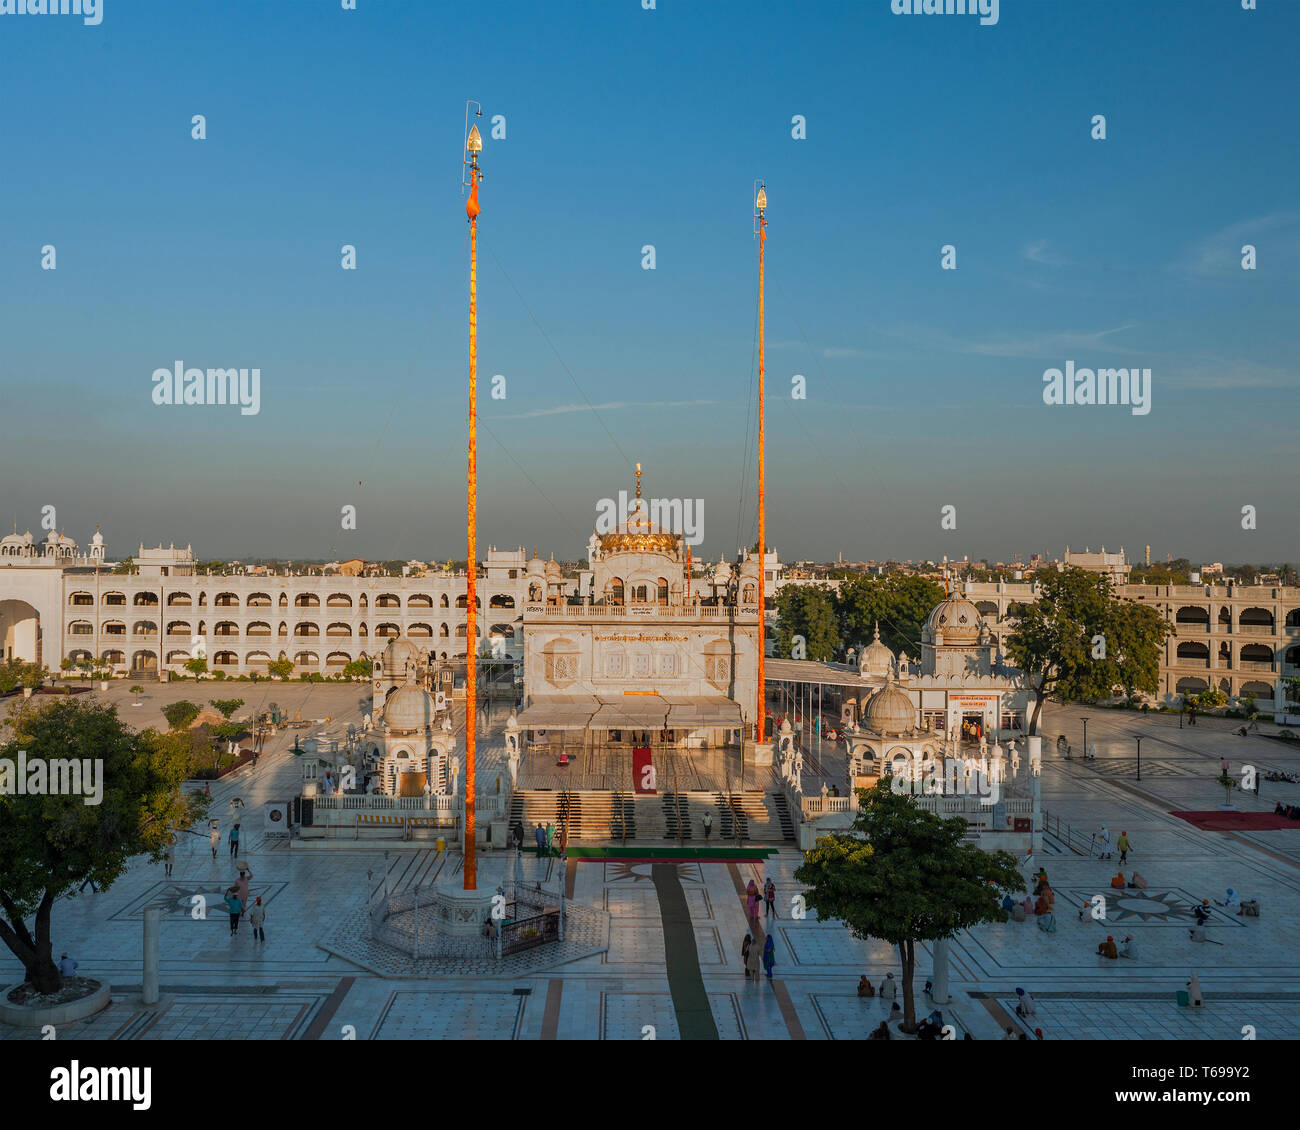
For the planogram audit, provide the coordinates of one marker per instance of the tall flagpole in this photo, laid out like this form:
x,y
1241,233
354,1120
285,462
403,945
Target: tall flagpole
x,y
473,145
760,729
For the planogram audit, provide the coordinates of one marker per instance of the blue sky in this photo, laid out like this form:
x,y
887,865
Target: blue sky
x,y
627,127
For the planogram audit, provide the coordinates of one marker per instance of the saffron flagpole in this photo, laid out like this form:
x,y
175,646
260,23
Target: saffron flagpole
x,y
473,146
760,723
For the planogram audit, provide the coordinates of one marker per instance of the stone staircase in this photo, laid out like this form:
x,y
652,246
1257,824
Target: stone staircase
x,y
599,817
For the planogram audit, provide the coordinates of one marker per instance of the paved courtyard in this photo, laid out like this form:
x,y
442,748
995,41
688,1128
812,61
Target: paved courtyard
x,y
640,983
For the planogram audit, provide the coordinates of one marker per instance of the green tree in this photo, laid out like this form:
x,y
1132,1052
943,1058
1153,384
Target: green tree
x,y
66,665
900,602
226,706
34,675
126,565
181,713
11,675
136,691
807,611
196,665
358,669
1078,642
280,668
1227,782
49,844
903,875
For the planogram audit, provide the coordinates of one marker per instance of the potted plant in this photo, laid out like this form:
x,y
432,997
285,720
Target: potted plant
x,y
137,691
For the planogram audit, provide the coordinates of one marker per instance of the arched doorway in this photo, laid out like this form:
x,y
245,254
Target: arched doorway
x,y
20,631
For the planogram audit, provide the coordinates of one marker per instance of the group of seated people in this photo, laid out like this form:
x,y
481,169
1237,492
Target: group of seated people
x,y
1135,881
1290,811
1280,775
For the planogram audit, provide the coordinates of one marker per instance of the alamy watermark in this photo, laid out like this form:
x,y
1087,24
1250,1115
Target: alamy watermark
x,y
684,516
987,10
54,776
179,385
946,776
91,11
1102,386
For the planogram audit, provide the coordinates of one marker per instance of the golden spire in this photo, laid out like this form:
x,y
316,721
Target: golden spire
x,y
638,480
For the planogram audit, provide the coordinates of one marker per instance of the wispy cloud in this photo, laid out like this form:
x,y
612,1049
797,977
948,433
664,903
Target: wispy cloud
x,y
1218,373
1041,251
1220,254
611,406
1050,344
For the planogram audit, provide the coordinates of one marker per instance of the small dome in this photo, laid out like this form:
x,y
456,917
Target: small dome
x,y
397,654
535,563
552,569
408,708
958,619
889,711
875,660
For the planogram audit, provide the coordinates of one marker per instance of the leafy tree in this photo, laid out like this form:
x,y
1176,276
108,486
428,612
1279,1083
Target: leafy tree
x,y
181,713
226,706
358,669
126,565
196,666
280,668
137,691
1079,642
903,875
1211,699
1227,782
34,675
66,665
808,611
11,675
50,844
900,602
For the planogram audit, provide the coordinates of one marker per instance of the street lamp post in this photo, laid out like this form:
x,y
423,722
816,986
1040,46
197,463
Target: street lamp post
x,y
1139,742
1084,720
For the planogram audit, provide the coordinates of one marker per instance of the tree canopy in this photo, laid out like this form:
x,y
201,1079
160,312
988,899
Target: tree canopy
x,y
49,844
1079,642
903,875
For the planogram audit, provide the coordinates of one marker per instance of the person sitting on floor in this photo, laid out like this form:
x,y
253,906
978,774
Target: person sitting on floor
x,y
1136,880
1126,948
1232,902
1119,883
881,1032
1202,912
1047,923
865,988
1107,948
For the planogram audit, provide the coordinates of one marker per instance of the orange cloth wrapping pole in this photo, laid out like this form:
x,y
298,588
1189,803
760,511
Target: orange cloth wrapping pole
x,y
471,526
760,727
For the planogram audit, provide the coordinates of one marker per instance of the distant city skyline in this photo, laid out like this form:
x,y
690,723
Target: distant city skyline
x,y
328,128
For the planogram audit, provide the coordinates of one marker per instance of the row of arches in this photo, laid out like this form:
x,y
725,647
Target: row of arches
x,y
1198,615
227,660
262,628
301,600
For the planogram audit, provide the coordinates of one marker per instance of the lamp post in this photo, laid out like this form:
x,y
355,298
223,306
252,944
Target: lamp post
x,y
1139,742
1084,720
473,147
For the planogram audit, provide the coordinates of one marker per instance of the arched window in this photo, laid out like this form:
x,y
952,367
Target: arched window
x,y
616,590
663,590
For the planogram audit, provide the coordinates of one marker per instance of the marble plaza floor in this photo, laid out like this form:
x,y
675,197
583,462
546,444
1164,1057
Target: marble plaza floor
x,y
670,962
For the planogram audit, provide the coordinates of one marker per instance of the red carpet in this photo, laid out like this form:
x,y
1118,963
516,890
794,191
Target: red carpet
x,y
1217,821
642,781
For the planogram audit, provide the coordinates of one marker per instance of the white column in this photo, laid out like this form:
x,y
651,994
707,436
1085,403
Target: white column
x,y
152,926
939,985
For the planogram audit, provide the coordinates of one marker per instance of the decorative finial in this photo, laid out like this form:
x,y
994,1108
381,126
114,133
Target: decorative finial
x,y
638,480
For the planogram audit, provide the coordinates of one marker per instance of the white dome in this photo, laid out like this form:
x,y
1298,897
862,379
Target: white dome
x,y
408,708
889,711
875,660
397,654
957,618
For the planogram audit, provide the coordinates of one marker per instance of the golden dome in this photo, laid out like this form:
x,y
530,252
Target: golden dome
x,y
637,534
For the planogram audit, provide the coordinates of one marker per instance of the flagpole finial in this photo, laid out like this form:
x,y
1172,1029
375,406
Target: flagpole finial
x,y
638,480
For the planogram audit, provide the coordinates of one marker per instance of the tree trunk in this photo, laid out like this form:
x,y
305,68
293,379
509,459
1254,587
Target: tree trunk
x,y
1040,696
39,968
907,951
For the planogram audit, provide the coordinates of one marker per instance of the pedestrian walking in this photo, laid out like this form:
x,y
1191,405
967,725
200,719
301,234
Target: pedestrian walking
x,y
752,900
769,956
550,837
1104,843
241,886
769,899
1026,1008
752,963
745,947
1191,716
234,841
169,857
234,908
708,824
539,834
214,837
257,919
1123,844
